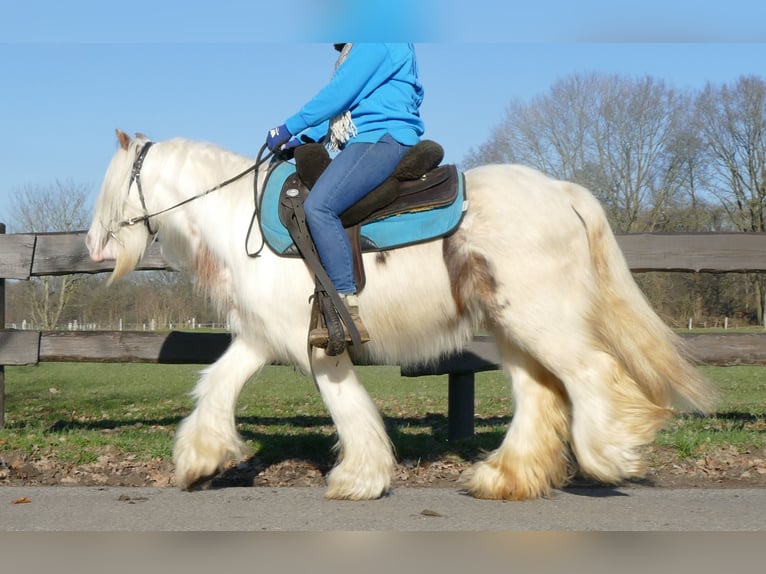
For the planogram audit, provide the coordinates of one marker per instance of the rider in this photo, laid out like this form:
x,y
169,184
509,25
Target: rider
x,y
369,112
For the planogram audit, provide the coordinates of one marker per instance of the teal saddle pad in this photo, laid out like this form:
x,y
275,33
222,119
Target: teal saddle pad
x,y
396,230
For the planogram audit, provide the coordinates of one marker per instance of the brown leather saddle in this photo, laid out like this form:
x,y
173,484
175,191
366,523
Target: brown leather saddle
x,y
419,183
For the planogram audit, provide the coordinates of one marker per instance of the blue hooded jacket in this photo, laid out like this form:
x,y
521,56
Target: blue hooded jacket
x,y
379,85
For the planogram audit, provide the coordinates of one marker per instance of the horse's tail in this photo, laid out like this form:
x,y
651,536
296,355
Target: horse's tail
x,y
626,326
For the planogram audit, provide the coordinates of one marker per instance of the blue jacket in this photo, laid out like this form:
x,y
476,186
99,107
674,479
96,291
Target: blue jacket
x,y
379,84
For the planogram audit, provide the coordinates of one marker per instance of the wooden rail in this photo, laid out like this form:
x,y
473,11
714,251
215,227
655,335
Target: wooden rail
x,y
30,255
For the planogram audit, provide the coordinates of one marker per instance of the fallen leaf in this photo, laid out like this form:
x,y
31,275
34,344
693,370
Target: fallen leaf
x,y
427,512
23,500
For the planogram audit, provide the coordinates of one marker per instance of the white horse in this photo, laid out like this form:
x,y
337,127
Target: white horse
x,y
594,371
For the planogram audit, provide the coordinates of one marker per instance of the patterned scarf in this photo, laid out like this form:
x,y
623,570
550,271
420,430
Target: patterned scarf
x,y
342,127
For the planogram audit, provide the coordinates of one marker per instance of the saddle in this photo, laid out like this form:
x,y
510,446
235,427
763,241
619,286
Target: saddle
x,y
418,183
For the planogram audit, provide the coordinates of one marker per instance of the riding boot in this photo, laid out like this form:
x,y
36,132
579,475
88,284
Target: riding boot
x,y
319,337
351,301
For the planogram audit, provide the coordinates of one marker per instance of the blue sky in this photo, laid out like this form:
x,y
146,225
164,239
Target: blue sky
x,y
227,71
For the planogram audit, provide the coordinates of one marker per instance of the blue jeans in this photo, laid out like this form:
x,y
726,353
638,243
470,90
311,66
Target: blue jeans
x,y
356,171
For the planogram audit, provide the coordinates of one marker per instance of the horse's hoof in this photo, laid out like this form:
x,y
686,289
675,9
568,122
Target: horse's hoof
x,y
355,494
201,484
494,481
345,486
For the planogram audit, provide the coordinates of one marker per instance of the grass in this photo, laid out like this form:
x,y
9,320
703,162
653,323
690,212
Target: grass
x,y
740,419
74,411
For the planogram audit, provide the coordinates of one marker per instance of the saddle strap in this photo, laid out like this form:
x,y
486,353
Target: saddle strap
x,y
298,229
354,234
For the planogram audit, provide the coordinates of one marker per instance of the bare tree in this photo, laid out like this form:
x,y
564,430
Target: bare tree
x,y
42,209
607,132
732,123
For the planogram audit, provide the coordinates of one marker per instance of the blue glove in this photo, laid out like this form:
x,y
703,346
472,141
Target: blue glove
x,y
293,143
277,137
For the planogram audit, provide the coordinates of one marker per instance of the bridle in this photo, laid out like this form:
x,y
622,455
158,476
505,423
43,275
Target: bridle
x,y
135,176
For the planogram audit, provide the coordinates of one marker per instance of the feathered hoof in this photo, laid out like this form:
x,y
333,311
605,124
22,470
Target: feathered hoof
x,y
198,484
192,472
607,471
496,481
198,457
344,485
191,479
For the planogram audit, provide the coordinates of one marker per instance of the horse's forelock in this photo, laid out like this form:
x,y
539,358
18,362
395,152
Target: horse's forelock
x,y
114,188
126,243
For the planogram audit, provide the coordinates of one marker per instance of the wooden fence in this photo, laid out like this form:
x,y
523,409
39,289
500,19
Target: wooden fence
x,y
23,256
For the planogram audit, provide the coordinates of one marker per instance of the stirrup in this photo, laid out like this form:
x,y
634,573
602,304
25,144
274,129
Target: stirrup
x,y
319,336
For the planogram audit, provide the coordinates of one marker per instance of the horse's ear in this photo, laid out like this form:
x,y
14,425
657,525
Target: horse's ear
x,y
123,138
142,137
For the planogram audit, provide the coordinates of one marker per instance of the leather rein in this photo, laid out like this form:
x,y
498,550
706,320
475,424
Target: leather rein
x,y
135,176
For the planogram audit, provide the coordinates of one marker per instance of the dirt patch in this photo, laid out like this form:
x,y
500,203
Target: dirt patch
x,y
721,467
724,466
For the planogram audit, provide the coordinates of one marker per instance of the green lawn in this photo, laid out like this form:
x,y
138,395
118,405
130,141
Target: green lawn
x,y
72,411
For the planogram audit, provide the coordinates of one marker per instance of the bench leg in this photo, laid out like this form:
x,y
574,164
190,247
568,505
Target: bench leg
x,y
460,405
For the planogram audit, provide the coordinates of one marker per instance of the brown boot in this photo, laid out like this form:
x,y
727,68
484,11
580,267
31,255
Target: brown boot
x,y
351,301
319,337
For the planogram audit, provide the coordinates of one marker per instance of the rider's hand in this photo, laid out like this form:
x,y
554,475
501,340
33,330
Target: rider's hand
x,y
277,137
293,143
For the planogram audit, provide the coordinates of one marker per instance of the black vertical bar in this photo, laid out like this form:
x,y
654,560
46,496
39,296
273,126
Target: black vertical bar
x,y
460,408
2,328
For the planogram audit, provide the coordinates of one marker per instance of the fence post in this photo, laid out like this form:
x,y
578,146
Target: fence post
x,y
2,328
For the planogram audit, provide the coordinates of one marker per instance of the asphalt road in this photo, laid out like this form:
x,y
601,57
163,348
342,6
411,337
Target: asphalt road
x,y
121,509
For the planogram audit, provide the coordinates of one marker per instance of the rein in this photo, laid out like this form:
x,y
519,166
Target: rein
x,y
135,176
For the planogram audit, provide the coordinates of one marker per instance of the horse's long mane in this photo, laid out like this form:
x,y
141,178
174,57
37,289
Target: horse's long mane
x,y
187,168
173,170
193,165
